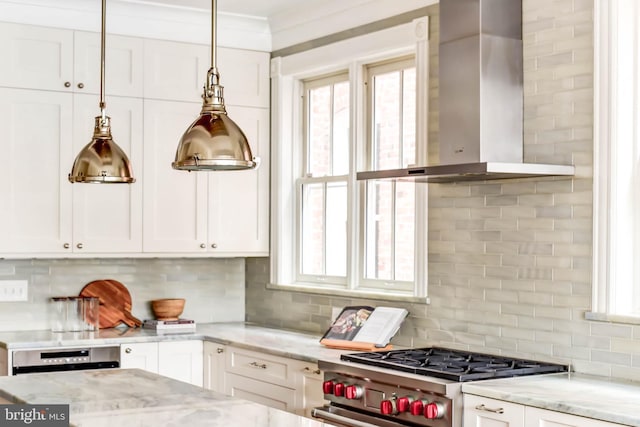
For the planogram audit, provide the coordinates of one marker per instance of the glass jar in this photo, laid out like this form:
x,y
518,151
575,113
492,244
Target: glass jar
x,y
75,314
58,314
91,310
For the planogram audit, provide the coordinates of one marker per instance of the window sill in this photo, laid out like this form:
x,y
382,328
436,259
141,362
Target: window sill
x,y
613,318
348,293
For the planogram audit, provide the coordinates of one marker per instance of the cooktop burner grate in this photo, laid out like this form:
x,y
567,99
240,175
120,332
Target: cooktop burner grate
x,y
455,365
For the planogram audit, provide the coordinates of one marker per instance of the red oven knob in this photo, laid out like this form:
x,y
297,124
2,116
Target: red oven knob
x,y
327,387
417,407
338,389
404,403
434,410
353,392
388,407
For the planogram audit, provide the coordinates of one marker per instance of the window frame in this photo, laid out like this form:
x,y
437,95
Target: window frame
x,y
287,75
607,95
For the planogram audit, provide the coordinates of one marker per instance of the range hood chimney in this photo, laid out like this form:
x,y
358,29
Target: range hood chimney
x,y
481,97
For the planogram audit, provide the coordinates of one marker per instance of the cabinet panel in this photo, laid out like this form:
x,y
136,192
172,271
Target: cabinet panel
x,y
239,200
535,417
214,366
123,64
244,74
309,387
175,202
35,139
485,412
175,71
36,57
181,360
108,218
141,355
271,395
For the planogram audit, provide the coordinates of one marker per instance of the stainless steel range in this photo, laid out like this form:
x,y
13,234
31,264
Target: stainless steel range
x,y
413,387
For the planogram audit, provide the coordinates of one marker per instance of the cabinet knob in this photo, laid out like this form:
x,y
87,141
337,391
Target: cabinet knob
x,y
67,84
219,350
202,245
127,350
80,85
66,246
79,246
214,245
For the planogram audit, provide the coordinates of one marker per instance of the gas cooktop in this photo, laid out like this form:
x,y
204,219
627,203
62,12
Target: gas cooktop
x,y
455,365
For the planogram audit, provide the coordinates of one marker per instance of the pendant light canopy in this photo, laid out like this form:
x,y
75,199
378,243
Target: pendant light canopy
x,y
213,141
102,161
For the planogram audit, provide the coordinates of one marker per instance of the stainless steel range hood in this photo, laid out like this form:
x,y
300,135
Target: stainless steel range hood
x,y
481,97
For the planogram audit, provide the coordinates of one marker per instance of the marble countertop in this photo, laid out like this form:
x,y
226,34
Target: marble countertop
x,y
601,398
296,345
119,397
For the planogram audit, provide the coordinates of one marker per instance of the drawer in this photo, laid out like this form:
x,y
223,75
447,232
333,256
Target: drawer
x,y
260,366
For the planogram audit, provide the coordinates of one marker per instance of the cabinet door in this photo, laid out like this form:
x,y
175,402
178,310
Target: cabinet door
x,y
181,360
124,60
175,71
535,417
140,355
308,386
108,218
244,74
239,200
484,412
271,395
36,57
174,202
35,140
214,366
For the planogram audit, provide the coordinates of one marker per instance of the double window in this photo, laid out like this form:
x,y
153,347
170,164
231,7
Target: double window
x,y
341,235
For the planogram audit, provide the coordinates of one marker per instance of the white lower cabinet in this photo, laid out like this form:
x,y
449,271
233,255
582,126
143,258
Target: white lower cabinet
x,y
180,360
486,412
278,382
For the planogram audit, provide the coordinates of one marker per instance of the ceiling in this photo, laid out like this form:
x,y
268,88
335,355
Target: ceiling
x,y
260,8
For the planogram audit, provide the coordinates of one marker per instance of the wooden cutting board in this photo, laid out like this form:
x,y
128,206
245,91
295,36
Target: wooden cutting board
x,y
115,302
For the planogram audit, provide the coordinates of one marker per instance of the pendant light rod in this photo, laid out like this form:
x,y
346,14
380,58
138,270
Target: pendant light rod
x,y
214,30
103,31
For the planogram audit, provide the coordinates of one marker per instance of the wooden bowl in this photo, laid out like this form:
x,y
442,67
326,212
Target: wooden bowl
x,y
168,308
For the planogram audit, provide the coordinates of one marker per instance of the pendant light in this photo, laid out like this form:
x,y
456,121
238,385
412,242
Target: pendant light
x,y
102,161
213,141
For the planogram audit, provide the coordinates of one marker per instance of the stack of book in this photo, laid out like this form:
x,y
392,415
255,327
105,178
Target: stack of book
x,y
178,325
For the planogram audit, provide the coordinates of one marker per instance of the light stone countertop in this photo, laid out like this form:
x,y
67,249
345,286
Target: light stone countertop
x,y
132,397
589,396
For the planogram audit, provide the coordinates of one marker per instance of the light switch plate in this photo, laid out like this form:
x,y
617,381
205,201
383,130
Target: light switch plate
x,y
14,290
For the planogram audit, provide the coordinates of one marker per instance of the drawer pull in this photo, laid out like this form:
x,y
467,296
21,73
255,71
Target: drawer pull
x,y
494,410
313,371
258,365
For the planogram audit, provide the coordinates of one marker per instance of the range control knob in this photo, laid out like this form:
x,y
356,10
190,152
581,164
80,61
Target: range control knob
x,y
417,407
434,410
338,389
404,403
388,407
327,387
353,392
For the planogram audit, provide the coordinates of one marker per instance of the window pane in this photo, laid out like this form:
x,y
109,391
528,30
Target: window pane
x,y
386,120
341,118
336,255
409,118
312,228
405,230
319,148
379,224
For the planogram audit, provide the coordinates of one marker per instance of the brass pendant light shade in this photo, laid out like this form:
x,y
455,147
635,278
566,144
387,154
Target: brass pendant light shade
x,y
102,161
213,141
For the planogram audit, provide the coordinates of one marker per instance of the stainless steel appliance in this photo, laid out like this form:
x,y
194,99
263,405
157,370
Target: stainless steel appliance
x,y
412,387
64,359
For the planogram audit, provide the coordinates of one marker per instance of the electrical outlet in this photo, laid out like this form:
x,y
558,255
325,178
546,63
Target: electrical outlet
x,y
14,290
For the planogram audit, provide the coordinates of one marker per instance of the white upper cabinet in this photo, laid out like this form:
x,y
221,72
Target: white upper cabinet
x,y
65,60
244,74
35,139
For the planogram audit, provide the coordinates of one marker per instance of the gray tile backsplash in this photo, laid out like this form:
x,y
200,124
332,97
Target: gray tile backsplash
x,y
214,289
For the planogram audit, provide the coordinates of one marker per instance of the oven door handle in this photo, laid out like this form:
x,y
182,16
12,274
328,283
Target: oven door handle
x,y
323,414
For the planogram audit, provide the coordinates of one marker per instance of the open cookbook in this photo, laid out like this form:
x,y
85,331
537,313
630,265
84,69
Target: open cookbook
x,y
364,328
